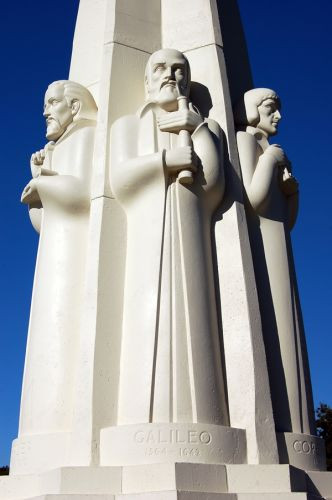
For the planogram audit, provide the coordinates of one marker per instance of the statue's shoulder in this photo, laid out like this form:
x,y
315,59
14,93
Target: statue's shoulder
x,y
214,127
80,135
87,127
81,128
211,125
245,138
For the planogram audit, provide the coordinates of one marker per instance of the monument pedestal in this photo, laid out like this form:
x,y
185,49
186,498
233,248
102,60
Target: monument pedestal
x,y
172,481
173,442
302,450
39,452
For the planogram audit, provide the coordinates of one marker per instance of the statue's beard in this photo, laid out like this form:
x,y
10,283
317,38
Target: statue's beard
x,y
54,130
167,97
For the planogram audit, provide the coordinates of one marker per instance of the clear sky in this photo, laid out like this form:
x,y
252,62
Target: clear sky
x,y
289,44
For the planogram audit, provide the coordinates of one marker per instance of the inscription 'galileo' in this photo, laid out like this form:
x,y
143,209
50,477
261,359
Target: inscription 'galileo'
x,y
172,436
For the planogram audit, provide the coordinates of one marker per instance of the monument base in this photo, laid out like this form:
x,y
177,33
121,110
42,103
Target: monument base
x,y
177,481
39,452
172,442
302,450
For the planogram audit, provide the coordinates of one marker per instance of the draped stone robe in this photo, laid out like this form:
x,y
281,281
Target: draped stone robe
x,y
170,357
56,309
277,289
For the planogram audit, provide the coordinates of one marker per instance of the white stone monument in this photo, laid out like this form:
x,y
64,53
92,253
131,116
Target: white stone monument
x,y
272,205
61,186
159,365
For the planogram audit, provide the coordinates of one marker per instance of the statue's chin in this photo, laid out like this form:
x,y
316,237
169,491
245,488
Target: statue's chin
x,y
53,135
270,132
168,104
167,98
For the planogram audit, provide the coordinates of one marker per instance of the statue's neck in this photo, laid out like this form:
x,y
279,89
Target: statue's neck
x,y
260,135
70,127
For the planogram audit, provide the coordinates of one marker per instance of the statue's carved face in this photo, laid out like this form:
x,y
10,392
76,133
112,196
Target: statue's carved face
x,y
58,113
167,78
269,116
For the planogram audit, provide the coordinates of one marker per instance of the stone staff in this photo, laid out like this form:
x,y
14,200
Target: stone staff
x,y
184,176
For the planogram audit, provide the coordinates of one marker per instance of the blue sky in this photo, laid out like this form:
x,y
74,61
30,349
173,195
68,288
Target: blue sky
x,y
289,45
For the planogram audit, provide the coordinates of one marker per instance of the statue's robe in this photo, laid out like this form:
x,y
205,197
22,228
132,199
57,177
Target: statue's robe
x,y
56,308
171,368
269,227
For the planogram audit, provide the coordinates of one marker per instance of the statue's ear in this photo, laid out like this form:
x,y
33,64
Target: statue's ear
x,y
75,106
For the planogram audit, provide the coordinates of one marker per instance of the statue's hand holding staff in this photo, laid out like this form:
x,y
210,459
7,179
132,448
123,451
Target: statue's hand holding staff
x,y
180,159
182,122
184,119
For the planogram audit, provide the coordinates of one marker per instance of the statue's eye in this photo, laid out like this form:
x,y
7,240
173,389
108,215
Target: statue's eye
x,y
54,102
158,68
271,107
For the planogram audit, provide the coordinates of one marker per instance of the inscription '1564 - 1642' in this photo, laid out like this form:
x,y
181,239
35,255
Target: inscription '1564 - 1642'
x,y
175,441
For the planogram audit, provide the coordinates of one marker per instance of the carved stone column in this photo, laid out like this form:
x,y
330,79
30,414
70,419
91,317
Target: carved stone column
x,y
107,449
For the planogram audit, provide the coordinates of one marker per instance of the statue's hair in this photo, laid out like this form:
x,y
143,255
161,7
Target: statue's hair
x,y
75,91
246,110
148,66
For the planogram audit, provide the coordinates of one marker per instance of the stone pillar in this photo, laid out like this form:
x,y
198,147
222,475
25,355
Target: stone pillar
x,y
194,28
111,62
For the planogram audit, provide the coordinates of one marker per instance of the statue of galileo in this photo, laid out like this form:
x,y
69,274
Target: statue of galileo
x,y
167,173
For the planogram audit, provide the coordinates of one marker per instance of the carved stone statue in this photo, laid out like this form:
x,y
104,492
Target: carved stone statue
x,y
167,173
59,194
272,201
